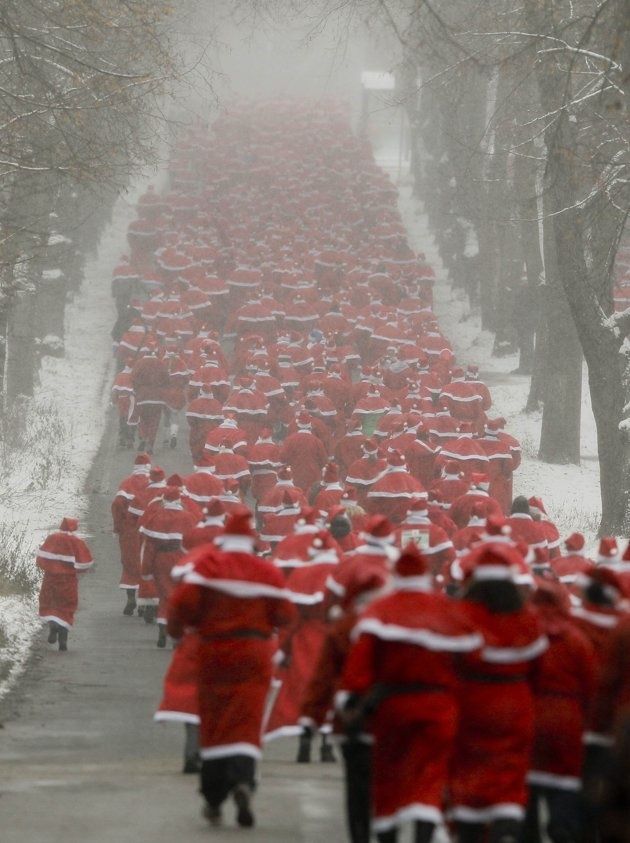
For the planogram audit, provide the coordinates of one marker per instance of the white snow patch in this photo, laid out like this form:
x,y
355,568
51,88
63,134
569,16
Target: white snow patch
x,y
42,477
571,494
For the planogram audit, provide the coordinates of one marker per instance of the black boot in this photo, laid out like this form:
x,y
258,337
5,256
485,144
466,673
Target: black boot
x,y
53,631
390,836
63,639
326,752
243,798
150,613
131,602
304,750
161,642
173,441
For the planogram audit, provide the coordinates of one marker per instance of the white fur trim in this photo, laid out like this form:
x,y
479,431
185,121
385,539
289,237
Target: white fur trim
x,y
426,638
415,811
545,779
208,753
176,717
510,655
500,811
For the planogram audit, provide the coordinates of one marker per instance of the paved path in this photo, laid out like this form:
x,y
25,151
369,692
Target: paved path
x,y
80,757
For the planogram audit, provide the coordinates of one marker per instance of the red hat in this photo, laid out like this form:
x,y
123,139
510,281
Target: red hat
x,y
362,584
206,461
171,493
419,502
395,458
330,473
157,474
537,505
465,427
142,459
451,467
411,563
175,480
608,549
478,513
370,446
496,525
214,508
265,433
481,481
321,541
285,473
553,594
308,515
473,368
378,527
496,561
287,500
457,372
575,542
607,578
303,419
239,523
69,525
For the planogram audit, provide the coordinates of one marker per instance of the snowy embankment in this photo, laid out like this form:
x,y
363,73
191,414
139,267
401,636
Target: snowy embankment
x,y
49,441
570,493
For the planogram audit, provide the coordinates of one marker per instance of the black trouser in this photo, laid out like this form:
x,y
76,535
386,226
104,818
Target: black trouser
x,y
219,776
499,831
357,757
565,815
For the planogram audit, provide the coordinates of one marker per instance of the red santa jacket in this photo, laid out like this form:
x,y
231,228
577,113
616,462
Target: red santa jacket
x,y
306,455
462,509
392,494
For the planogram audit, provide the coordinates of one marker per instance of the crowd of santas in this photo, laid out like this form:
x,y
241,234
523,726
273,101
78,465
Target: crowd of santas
x,y
272,298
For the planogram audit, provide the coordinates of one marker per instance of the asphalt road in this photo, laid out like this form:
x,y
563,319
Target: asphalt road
x,y
80,756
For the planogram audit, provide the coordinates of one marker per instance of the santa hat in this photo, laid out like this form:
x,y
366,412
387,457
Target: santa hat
x,y
69,525
265,435
378,529
330,473
308,516
157,474
175,480
303,420
412,566
477,515
480,481
451,469
395,459
285,474
537,506
323,547
497,529
142,459
206,461
472,369
457,373
607,579
575,543
496,561
214,508
370,446
608,551
239,534
288,502
465,428
363,587
171,494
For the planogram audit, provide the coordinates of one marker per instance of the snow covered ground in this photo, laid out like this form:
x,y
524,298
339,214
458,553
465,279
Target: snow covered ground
x,y
43,470
571,493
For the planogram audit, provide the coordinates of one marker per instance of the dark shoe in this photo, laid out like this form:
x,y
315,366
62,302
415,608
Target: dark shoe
x,y
327,754
191,766
304,751
243,799
63,639
161,642
140,611
173,442
212,814
149,614
53,631
130,608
